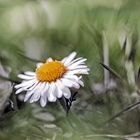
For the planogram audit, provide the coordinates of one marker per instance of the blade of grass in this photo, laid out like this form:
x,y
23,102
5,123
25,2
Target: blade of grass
x,y
113,72
125,110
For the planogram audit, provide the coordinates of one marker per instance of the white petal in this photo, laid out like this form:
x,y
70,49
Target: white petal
x,y
39,65
26,84
66,92
26,77
80,62
75,60
30,73
59,91
40,90
27,96
33,86
51,98
59,84
43,99
64,59
70,58
19,90
81,83
49,60
71,76
45,88
29,93
66,82
35,97
70,83
78,67
51,93
78,71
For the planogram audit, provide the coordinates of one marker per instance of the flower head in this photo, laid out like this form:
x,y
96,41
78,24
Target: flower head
x,y
53,79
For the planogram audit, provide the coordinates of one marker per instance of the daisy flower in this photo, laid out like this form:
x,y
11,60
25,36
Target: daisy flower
x,y
53,79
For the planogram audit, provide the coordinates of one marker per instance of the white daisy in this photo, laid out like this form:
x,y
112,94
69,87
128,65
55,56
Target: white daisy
x,y
53,79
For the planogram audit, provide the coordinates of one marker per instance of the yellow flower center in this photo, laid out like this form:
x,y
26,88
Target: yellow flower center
x,y
50,71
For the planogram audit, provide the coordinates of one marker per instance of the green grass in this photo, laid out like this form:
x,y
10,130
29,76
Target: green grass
x,y
40,29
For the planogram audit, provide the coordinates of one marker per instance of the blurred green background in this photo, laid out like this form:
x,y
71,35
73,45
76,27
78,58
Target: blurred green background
x,y
101,31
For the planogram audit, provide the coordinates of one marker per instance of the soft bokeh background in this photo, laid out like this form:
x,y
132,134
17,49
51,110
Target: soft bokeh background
x,y
103,31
